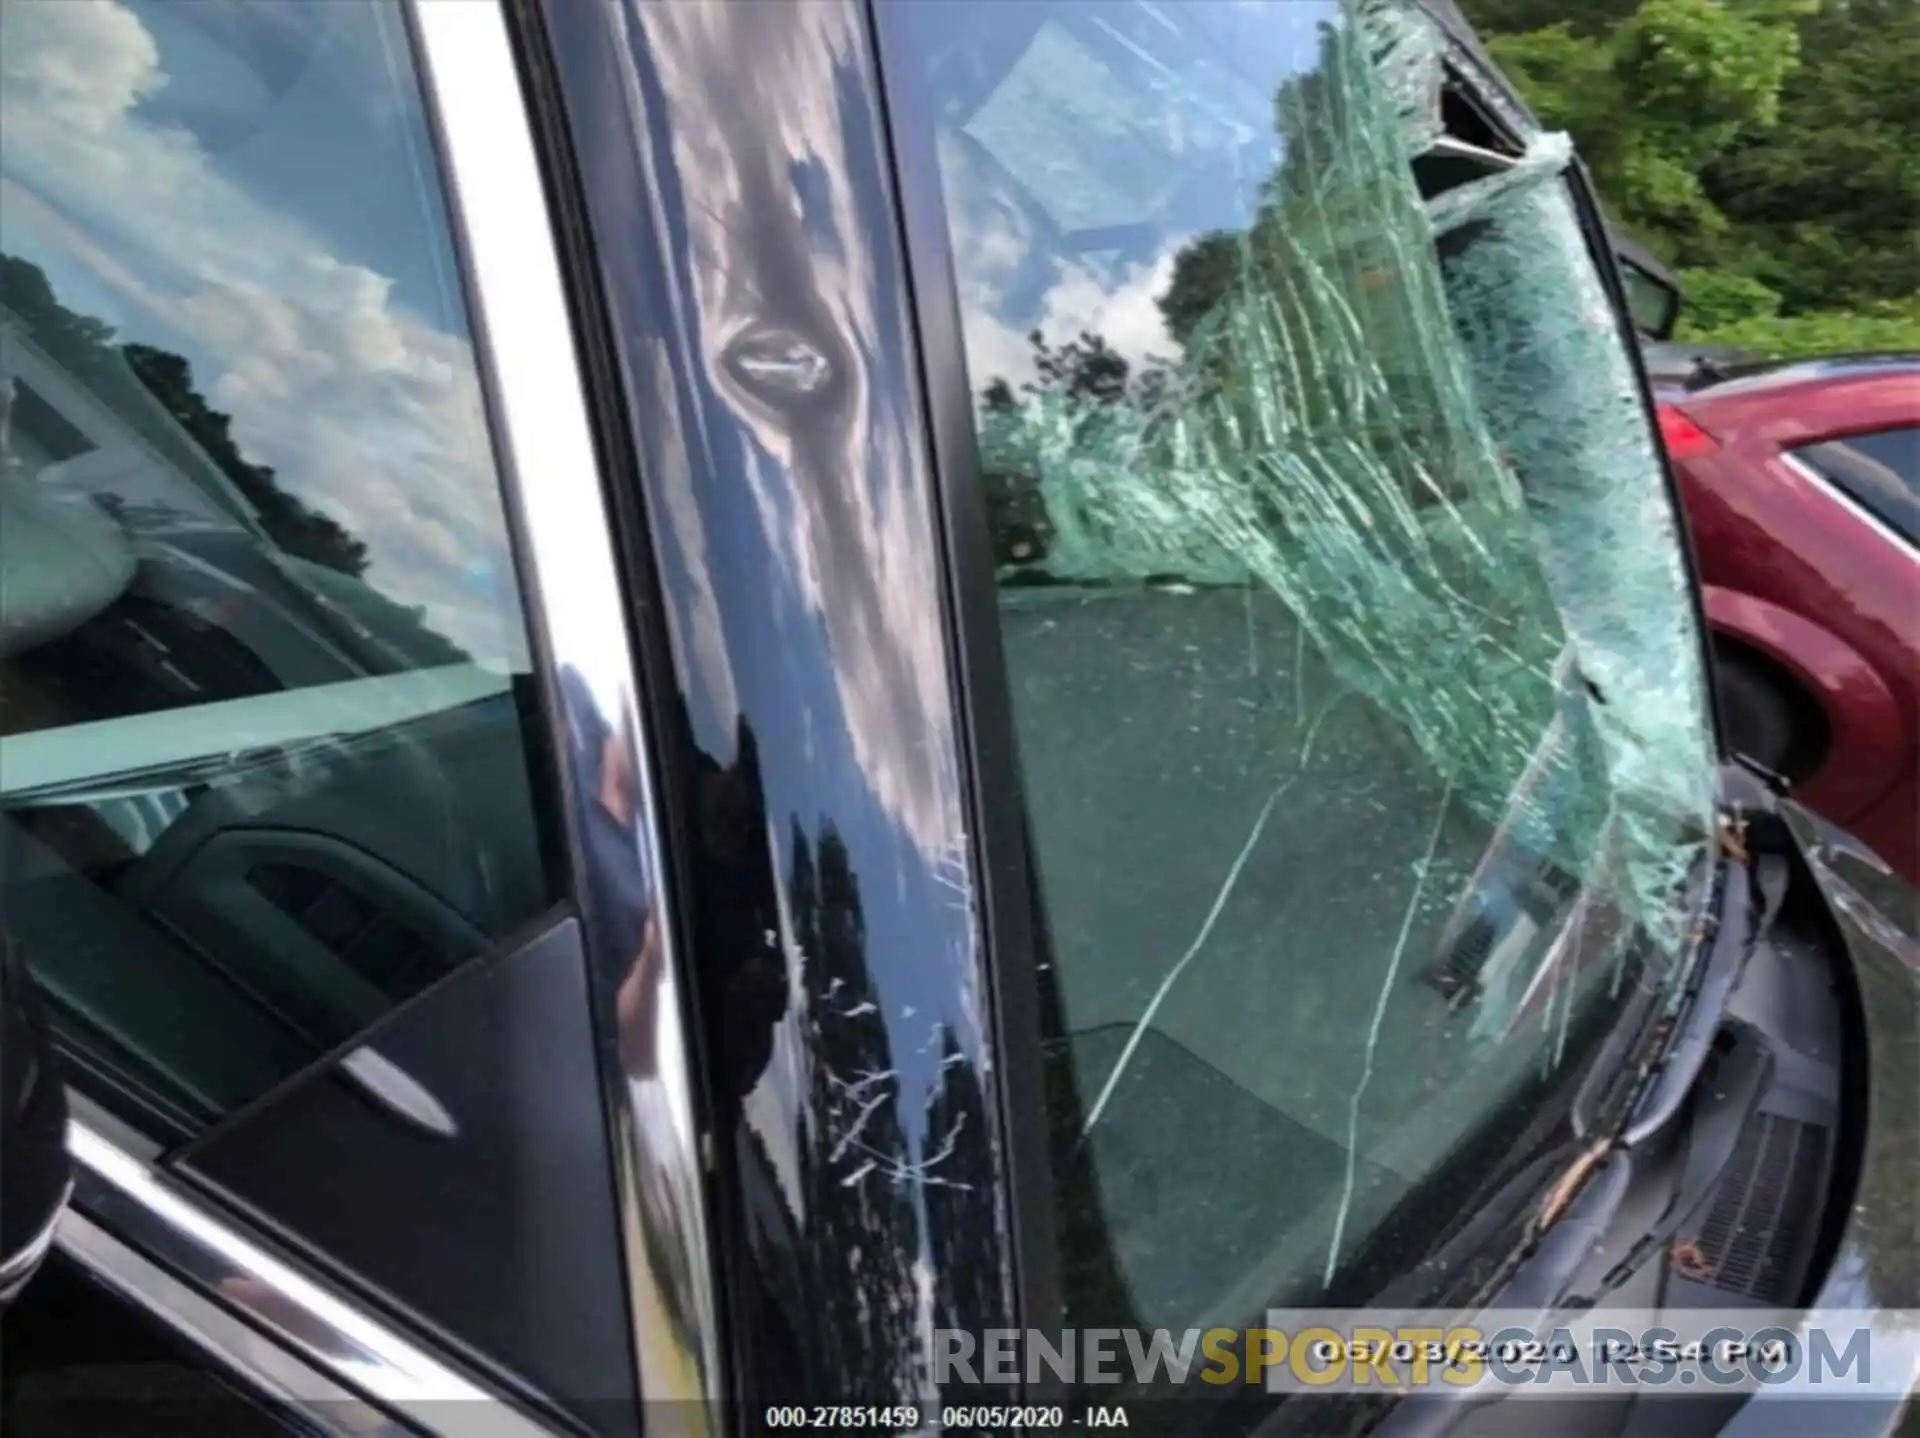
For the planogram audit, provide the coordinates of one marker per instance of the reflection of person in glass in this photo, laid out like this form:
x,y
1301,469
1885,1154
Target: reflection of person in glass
x,y
621,923
623,929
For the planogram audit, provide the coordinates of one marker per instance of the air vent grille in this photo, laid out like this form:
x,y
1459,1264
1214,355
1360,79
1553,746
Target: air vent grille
x,y
1769,1195
394,957
1457,972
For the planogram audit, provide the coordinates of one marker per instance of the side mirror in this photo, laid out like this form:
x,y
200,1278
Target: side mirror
x,y
1653,301
36,1174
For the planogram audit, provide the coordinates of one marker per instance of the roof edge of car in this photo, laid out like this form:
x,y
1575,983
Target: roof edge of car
x,y
1808,367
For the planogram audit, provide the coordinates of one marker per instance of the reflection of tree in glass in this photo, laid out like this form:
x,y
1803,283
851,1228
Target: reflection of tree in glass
x,y
86,348
1321,431
296,527
151,391
1084,376
1204,271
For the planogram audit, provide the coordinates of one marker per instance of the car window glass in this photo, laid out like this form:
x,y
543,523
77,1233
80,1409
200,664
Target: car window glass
x,y
1650,303
268,761
1879,470
1361,792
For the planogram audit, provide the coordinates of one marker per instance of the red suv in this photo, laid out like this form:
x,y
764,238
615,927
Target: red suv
x,y
1802,486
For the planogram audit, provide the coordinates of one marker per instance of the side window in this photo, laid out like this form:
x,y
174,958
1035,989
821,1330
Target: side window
x,y
1878,470
268,760
1362,808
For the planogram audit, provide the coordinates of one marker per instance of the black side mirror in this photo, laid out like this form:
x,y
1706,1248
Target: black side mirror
x,y
1653,298
36,1174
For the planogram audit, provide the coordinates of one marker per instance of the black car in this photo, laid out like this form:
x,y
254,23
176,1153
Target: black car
x,y
718,717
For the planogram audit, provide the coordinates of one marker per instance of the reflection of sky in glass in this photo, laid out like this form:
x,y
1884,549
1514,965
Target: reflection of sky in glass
x,y
311,109
1083,143
1121,132
250,186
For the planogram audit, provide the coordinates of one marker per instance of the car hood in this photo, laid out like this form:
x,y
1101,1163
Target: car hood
x,y
1877,1266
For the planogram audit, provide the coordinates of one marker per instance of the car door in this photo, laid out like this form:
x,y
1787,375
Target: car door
x,y
1873,477
326,788
1799,495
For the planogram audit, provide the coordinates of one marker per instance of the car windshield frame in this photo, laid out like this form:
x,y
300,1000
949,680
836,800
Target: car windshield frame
x,y
938,305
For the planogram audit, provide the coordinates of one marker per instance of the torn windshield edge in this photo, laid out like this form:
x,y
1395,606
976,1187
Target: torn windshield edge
x,y
1472,73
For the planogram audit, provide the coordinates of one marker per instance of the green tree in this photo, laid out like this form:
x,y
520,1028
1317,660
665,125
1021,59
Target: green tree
x,y
1516,17
1718,298
1770,147
1654,99
86,348
1825,207
1874,325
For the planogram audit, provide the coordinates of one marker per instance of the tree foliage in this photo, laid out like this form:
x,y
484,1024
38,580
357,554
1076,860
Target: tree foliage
x,y
1825,209
1769,147
1654,98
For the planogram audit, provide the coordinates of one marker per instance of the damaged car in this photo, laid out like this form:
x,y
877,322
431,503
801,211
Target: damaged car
x,y
1055,686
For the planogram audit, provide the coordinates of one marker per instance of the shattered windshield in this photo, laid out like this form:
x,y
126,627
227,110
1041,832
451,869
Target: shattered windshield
x,y
1357,688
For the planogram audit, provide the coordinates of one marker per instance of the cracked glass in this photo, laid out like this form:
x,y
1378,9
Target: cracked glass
x,y
1357,686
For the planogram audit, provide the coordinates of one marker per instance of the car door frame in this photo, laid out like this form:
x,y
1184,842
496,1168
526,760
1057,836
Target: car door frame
x,y
269,1321
742,642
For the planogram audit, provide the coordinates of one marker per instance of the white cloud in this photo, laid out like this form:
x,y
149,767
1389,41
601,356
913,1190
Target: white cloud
x,y
365,410
852,532
83,64
996,253
1122,308
697,634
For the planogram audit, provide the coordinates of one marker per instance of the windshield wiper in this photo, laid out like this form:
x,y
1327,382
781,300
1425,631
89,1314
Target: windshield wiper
x,y
1580,1207
1719,975
1536,1288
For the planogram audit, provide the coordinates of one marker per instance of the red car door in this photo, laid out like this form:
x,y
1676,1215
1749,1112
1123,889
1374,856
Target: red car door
x,y
1800,492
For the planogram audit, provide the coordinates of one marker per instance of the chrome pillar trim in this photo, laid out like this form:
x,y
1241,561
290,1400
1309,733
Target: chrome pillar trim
x,y
263,1365
1847,502
588,653
120,1203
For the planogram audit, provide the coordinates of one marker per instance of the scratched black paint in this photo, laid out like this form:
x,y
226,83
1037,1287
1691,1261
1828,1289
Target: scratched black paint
x,y
739,202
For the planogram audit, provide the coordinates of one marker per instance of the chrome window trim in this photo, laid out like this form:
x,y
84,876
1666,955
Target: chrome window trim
x,y
17,1267
579,617
129,1226
263,1365
1847,502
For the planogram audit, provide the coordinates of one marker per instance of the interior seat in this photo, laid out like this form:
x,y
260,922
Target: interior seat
x,y
134,1006
61,563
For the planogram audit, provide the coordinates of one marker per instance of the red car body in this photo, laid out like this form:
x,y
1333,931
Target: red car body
x,y
1809,591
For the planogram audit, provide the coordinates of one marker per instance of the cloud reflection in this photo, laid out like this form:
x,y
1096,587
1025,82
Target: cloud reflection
x,y
775,230
366,409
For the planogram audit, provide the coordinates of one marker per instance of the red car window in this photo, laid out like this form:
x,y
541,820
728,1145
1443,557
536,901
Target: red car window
x,y
1880,471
